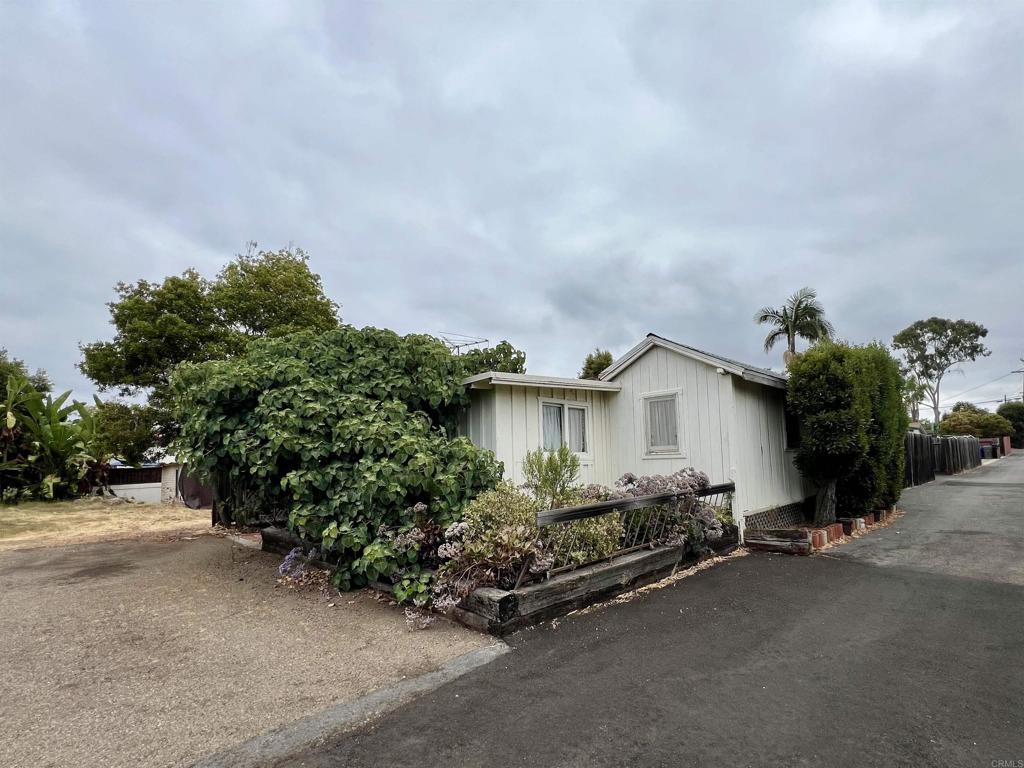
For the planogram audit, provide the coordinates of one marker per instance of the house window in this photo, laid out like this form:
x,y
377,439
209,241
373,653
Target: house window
x,y
552,426
662,417
564,424
577,429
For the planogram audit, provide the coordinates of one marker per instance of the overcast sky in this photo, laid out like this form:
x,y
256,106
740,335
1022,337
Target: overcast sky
x,y
562,175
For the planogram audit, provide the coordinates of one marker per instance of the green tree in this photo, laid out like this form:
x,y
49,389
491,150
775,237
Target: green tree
x,y
932,347
502,357
967,419
596,362
126,430
271,293
802,316
1014,413
187,318
12,366
913,393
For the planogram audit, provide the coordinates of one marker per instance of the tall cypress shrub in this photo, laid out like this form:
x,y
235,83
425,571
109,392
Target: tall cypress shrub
x,y
852,422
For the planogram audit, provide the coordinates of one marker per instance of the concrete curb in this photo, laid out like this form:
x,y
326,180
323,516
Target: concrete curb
x,y
313,730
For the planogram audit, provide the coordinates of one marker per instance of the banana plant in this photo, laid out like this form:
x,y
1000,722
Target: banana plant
x,y
46,442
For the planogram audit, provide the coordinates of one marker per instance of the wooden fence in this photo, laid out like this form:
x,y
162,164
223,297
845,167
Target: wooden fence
x,y
134,475
927,456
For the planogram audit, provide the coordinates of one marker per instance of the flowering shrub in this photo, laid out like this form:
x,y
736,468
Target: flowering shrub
x,y
692,522
498,540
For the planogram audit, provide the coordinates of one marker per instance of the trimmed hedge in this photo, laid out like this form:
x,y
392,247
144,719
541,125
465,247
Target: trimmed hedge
x,y
852,422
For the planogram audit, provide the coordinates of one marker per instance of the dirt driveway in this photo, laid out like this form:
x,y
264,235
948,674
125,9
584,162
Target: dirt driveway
x,y
155,653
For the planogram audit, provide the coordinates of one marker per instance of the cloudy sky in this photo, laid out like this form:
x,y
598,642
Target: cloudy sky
x,y
559,174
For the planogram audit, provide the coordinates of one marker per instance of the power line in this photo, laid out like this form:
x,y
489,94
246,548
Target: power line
x,y
954,397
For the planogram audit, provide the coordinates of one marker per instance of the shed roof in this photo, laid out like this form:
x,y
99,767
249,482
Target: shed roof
x,y
743,370
489,379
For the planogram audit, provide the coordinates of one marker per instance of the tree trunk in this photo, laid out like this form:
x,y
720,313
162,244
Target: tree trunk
x,y
825,505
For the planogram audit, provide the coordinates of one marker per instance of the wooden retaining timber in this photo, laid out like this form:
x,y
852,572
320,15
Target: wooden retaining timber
x,y
500,611
794,541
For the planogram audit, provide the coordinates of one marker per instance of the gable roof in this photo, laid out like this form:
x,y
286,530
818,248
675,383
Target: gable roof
x,y
743,370
488,379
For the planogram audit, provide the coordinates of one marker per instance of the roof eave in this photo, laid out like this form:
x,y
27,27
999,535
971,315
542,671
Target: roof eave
x,y
489,379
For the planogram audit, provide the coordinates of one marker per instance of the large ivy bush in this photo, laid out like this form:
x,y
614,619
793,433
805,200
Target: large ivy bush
x,y
349,432
852,424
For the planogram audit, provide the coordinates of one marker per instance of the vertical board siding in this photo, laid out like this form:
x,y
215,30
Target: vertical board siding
x,y
765,475
703,441
517,427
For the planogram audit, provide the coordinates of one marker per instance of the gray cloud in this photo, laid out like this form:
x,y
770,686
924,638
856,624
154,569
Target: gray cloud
x,y
561,175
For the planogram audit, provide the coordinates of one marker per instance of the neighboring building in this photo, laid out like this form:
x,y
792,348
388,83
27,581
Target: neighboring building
x,y
155,483
661,407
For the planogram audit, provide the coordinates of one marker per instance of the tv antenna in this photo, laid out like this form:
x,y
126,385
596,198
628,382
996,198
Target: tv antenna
x,y
456,342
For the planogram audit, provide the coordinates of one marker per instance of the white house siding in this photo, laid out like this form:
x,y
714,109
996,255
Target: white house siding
x,y
703,415
517,428
150,493
765,475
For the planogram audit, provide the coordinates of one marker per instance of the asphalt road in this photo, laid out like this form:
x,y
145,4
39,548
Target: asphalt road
x,y
905,647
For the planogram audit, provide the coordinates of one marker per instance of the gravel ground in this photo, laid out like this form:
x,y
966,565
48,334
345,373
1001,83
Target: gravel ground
x,y
156,653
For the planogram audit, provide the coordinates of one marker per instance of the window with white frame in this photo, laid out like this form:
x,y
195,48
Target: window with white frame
x,y
563,423
661,417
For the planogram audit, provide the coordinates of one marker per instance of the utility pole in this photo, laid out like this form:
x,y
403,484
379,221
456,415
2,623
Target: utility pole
x,y
1021,371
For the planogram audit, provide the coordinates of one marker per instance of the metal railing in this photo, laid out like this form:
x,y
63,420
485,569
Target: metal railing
x,y
625,525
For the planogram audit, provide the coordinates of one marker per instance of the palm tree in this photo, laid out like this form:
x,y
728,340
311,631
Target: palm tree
x,y
801,316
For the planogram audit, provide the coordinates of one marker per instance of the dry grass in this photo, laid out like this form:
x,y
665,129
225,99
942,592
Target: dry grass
x,y
43,524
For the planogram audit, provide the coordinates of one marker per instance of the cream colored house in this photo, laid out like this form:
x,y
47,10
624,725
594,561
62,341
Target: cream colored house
x,y
661,407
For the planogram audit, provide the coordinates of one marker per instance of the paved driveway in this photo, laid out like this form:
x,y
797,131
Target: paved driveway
x,y
903,648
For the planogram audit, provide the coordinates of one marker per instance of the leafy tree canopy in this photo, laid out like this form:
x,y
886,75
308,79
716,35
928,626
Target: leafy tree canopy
x,y
501,357
187,318
595,362
12,366
932,347
126,430
1014,413
271,293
